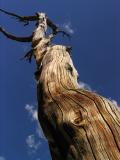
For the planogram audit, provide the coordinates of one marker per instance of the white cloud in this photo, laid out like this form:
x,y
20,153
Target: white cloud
x,y
68,27
32,142
114,102
2,158
84,86
39,131
32,112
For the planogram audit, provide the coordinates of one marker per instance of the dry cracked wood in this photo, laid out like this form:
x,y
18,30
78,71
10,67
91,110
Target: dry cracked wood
x,y
78,124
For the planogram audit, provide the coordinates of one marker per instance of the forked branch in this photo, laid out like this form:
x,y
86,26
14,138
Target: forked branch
x,y
55,30
26,19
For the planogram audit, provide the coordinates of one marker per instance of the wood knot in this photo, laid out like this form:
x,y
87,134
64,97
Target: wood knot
x,y
77,119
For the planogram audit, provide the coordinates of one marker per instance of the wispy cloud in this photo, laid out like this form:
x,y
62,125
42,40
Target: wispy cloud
x,y
114,102
84,85
2,158
32,142
32,112
68,27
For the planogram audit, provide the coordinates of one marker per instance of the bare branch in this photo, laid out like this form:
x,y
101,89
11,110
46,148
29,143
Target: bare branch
x,y
24,19
11,36
28,56
52,25
55,29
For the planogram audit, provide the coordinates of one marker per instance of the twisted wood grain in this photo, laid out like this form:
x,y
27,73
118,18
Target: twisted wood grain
x,y
79,124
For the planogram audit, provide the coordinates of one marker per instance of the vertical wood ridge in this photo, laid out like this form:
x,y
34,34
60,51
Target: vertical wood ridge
x,y
79,124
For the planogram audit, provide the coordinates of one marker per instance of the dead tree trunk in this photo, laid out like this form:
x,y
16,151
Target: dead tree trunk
x,y
78,124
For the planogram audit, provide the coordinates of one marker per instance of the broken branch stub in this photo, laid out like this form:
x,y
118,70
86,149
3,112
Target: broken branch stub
x,y
78,124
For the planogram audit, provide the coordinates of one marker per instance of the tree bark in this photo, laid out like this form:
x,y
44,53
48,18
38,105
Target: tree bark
x,y
78,124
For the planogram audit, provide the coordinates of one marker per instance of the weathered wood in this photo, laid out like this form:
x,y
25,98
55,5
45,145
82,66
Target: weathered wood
x,y
78,124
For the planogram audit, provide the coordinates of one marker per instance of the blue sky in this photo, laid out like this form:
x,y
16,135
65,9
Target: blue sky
x,y
95,29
